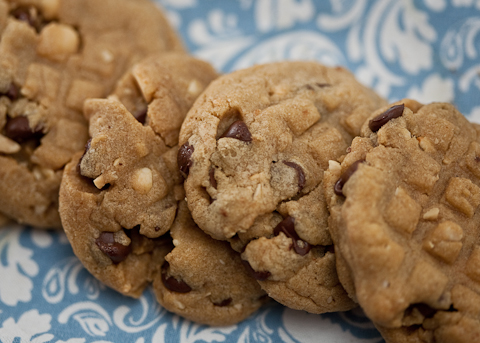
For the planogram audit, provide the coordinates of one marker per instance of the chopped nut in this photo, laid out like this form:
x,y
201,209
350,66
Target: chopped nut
x,y
8,146
141,149
40,209
334,166
444,241
107,56
37,174
179,304
463,194
432,214
194,88
58,41
122,238
99,182
426,145
127,287
142,180
258,192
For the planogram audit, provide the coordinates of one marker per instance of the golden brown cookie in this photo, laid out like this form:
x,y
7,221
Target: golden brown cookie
x,y
53,56
253,150
120,197
203,279
404,220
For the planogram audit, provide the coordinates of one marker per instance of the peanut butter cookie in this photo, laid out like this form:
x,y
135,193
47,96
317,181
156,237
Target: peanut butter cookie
x,y
253,150
203,279
119,198
404,220
53,56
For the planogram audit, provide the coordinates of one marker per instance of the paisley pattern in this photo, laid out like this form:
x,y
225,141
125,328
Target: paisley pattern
x,y
425,49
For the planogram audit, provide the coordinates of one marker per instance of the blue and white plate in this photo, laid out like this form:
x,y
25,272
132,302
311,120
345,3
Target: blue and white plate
x,y
428,50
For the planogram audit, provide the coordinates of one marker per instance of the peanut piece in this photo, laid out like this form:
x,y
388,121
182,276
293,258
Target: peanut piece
x,y
142,180
463,195
57,42
445,241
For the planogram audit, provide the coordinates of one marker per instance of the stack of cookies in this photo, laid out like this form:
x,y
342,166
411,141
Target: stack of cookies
x,y
290,180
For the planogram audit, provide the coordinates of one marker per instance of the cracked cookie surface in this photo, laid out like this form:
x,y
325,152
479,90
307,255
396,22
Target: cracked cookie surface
x,y
253,150
404,220
119,198
54,55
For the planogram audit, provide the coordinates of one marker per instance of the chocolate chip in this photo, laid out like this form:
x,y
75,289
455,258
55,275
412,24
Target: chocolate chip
x,y
12,92
141,115
116,251
184,159
338,188
260,276
287,226
301,174
213,182
223,303
19,130
393,112
238,130
171,283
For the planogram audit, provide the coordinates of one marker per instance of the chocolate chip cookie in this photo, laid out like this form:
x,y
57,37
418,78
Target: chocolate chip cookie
x,y
253,151
404,220
202,279
119,198
54,55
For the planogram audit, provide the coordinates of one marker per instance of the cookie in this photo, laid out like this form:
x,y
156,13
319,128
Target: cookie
x,y
119,198
404,220
253,150
203,279
54,55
